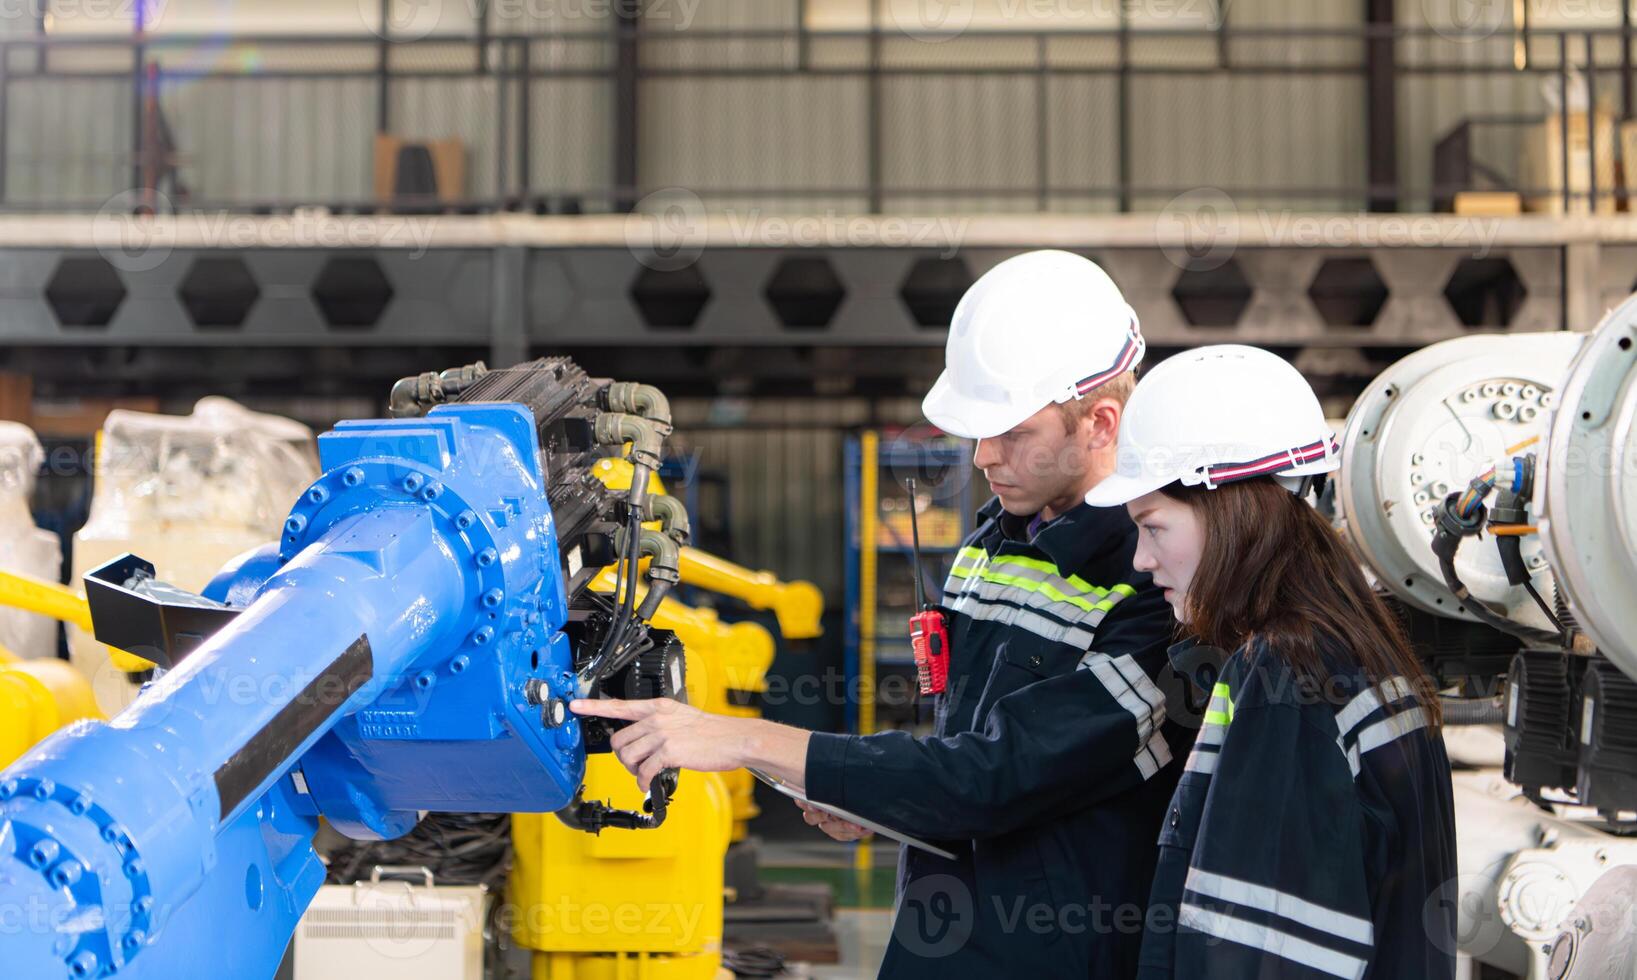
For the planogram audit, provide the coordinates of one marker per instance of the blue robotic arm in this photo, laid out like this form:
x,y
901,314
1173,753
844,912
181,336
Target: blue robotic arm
x,y
408,645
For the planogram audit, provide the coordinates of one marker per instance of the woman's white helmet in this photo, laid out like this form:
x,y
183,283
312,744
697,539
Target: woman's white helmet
x,y
1038,328
1216,415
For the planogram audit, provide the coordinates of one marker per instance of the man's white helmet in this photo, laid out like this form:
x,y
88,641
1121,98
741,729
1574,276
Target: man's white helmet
x,y
1038,328
1215,415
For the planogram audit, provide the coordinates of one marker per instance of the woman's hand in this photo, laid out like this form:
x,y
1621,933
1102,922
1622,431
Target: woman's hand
x,y
667,734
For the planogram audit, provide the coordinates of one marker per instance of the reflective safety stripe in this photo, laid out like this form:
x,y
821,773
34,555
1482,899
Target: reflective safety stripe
x,y
1368,703
1237,892
1220,710
1387,730
990,586
966,560
1124,679
1069,614
1202,759
1034,622
1046,572
1280,944
1088,602
1212,734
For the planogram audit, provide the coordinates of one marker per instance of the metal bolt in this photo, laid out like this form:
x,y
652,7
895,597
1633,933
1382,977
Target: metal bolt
x,y
295,524
1529,393
493,598
413,482
425,679
112,832
43,853
1416,459
483,634
1528,413
353,476
465,519
43,789
133,868
432,492
84,965
66,873
80,804
143,905
134,938
318,495
8,789
553,713
487,557
1505,410
533,690
459,663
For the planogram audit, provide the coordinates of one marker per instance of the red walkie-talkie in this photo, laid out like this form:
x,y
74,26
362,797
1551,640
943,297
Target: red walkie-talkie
x,y
928,634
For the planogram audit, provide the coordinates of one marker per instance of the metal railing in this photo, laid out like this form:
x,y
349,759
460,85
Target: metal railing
x,y
1094,120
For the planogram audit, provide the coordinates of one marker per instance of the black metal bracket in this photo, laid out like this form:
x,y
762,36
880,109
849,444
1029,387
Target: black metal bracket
x,y
135,612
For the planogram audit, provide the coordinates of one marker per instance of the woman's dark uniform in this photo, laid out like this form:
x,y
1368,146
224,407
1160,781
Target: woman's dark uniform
x,y
1312,833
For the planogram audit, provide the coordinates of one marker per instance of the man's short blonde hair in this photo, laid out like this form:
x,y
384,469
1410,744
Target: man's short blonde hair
x,y
1075,409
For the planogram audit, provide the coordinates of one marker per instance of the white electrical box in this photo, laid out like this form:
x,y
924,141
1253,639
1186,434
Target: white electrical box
x,y
417,931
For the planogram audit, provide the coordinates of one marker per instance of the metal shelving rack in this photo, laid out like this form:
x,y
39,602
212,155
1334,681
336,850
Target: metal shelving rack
x,y
876,637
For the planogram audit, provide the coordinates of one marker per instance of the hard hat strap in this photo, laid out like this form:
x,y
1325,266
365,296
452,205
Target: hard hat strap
x,y
1129,353
1220,473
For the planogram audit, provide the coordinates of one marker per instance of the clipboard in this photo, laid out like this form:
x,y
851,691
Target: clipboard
x,y
836,811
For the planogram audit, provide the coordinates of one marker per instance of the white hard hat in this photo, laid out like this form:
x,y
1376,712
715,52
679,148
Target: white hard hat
x,y
1215,415
1038,328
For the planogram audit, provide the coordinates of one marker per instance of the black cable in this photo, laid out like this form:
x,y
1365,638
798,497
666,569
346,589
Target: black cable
x,y
458,848
1551,617
1452,527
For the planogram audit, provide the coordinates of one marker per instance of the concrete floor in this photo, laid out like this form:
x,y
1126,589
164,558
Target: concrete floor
x,y
863,899
863,937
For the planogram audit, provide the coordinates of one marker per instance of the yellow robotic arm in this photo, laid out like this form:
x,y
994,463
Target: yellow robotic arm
x,y
797,605
59,602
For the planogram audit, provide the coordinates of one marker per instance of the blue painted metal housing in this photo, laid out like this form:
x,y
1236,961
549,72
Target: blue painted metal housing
x,y
379,668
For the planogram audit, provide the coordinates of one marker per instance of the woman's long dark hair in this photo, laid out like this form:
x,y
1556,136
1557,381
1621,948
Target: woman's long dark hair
x,y
1273,570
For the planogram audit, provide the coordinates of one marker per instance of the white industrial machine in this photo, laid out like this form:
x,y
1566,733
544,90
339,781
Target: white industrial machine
x,y
188,493
1490,484
24,548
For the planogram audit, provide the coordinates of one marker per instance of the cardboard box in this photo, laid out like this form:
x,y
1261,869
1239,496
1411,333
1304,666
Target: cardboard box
x,y
1543,163
1488,204
17,398
448,163
83,416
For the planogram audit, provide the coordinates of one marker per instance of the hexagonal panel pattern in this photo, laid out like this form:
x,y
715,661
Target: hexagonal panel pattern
x,y
805,293
933,288
84,291
352,292
1348,292
1214,297
1485,292
671,299
218,291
